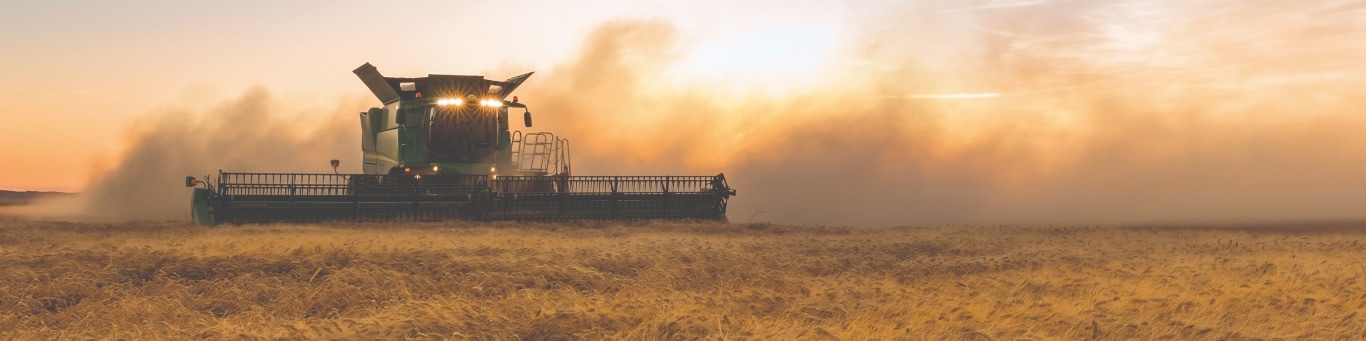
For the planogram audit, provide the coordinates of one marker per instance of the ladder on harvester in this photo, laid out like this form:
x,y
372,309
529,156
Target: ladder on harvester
x,y
540,152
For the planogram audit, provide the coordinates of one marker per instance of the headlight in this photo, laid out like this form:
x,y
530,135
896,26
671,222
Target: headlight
x,y
491,103
453,101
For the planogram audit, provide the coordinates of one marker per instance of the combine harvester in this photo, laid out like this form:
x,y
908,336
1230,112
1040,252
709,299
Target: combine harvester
x,y
440,149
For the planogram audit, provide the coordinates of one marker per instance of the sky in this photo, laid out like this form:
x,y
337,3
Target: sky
x,y
858,112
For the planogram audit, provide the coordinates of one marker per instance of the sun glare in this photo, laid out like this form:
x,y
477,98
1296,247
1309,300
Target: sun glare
x,y
775,60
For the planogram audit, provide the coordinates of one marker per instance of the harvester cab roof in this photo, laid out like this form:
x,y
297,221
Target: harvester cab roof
x,y
390,89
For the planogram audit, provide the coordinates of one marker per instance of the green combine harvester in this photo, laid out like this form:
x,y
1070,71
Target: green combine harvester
x,y
438,149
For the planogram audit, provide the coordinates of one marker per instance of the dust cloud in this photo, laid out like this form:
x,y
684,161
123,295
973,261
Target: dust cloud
x,y
953,112
254,132
932,112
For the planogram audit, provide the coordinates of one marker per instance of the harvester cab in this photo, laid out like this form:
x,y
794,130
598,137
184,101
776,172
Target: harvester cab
x,y
441,125
439,147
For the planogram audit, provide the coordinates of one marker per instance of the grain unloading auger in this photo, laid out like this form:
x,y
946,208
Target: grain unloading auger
x,y
440,148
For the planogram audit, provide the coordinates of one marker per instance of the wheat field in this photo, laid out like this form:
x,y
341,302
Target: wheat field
x,y
679,280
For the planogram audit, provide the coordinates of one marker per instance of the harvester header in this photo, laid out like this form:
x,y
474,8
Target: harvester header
x,y
440,148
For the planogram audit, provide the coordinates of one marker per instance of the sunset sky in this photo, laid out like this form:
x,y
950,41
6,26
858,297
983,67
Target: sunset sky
x,y
857,112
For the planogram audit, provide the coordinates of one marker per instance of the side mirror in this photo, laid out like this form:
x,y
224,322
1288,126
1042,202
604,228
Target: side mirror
x,y
190,181
335,163
526,116
400,117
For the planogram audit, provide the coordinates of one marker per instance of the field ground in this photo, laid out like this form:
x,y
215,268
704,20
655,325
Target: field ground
x,y
161,280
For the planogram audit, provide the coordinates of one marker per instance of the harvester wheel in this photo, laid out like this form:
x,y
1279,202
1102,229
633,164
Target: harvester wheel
x,y
363,184
394,180
397,184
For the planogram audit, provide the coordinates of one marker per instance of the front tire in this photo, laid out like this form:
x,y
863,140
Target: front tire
x,y
363,185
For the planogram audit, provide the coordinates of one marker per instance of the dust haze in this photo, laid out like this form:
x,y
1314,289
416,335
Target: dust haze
x,y
933,112
254,132
950,112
